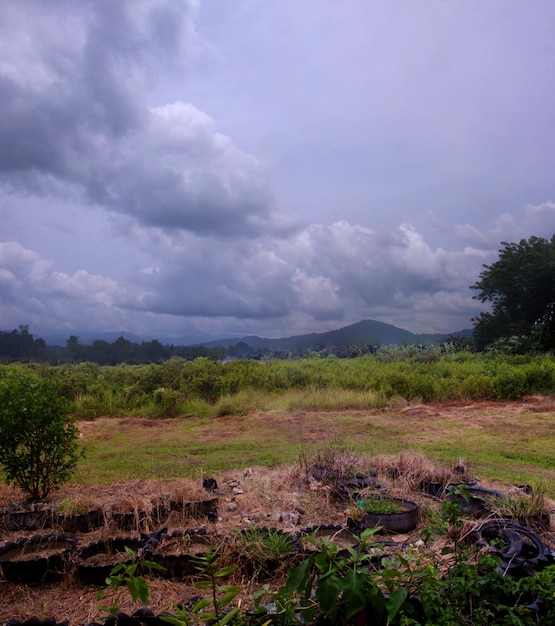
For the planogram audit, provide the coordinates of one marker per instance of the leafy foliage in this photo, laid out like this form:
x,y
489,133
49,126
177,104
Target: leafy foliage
x,y
202,387
520,286
124,575
20,344
38,440
216,609
462,585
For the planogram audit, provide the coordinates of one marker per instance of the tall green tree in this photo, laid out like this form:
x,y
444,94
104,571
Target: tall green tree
x,y
520,286
38,439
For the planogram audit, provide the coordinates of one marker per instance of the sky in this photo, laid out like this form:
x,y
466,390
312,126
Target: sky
x,y
217,168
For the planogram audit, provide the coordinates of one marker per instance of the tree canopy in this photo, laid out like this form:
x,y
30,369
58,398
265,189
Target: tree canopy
x,y
38,438
520,286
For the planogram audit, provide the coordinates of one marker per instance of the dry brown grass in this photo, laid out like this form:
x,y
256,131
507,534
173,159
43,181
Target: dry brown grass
x,y
407,470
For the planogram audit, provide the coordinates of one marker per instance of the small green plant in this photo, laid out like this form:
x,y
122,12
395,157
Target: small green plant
x,y
449,516
38,439
339,584
379,504
263,543
75,506
221,596
522,505
125,575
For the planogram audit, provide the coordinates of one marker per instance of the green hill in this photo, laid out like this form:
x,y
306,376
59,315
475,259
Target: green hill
x,y
365,332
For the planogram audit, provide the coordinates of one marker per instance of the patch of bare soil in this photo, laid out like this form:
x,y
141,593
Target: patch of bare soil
x,y
287,498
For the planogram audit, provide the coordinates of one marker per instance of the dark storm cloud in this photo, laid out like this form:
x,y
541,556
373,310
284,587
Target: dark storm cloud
x,y
151,152
324,273
80,117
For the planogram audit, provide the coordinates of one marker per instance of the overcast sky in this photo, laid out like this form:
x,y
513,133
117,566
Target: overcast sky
x,y
270,167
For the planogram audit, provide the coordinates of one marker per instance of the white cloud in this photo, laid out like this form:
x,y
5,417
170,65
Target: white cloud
x,y
34,293
76,120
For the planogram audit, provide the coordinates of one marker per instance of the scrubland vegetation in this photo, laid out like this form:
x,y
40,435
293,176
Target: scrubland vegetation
x,y
203,387
282,405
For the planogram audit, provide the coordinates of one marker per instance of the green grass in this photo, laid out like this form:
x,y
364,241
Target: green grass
x,y
266,413
495,442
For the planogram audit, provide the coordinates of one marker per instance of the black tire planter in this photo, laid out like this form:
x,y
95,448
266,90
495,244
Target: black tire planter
x,y
339,535
477,504
82,522
36,559
522,551
141,617
177,553
195,509
401,522
258,558
140,520
95,561
344,491
130,520
29,517
433,488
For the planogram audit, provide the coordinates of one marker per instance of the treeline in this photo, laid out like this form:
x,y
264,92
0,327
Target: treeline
x,y
20,345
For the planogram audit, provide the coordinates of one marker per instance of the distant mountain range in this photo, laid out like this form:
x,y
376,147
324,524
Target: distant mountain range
x,y
365,332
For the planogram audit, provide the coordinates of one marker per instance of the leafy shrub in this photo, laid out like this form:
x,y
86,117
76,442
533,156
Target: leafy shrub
x,y
38,440
166,402
241,403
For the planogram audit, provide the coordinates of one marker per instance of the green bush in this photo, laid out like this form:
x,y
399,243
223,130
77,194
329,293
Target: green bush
x,y
38,440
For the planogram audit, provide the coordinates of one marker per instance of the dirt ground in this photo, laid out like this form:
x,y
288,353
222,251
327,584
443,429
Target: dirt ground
x,y
289,498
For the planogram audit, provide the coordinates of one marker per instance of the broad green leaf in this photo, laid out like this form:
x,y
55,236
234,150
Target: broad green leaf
x,y
395,601
355,592
327,593
228,588
176,621
226,599
228,617
297,577
153,565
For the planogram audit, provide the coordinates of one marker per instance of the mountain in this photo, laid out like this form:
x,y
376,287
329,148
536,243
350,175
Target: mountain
x,y
365,332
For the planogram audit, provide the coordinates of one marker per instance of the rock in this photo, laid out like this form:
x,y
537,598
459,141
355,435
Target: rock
x,y
290,518
239,500
232,506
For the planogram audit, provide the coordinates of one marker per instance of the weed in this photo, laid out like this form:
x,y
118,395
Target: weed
x,y
522,505
125,574
262,543
221,596
379,504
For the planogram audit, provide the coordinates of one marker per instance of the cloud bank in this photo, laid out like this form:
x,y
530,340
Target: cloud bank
x,y
127,206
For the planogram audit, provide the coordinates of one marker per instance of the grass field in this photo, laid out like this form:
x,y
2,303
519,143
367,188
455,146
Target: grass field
x,y
509,441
